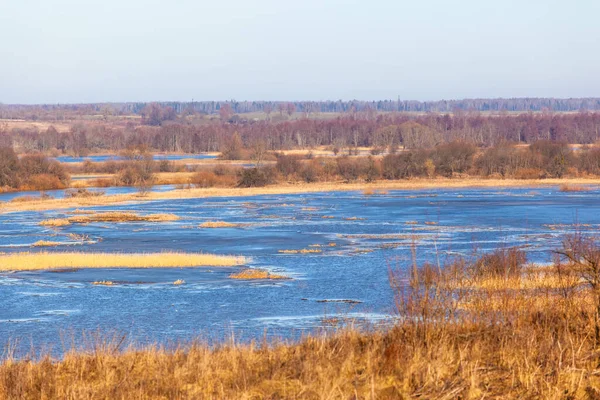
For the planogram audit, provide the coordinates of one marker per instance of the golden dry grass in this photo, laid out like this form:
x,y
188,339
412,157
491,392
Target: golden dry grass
x,y
113,216
45,243
256,274
284,188
47,261
219,224
566,187
301,251
463,334
103,283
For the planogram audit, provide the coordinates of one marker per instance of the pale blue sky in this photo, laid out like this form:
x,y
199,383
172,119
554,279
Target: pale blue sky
x,y
72,51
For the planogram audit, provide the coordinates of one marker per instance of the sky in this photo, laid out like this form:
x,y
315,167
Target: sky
x,y
79,51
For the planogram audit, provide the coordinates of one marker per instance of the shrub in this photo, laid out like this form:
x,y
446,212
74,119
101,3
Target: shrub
x,y
44,182
288,165
349,169
9,168
528,173
554,158
204,179
38,171
501,263
255,177
403,165
311,171
452,158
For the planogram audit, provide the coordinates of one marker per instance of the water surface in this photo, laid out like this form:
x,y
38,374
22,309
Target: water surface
x,y
358,239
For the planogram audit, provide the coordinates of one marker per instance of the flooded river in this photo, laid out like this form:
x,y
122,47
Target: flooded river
x,y
337,247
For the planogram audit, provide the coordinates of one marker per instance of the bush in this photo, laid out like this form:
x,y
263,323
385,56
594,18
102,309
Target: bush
x,y
528,173
501,263
288,165
311,171
44,182
256,177
453,158
404,165
589,161
349,169
32,165
554,158
204,179
9,168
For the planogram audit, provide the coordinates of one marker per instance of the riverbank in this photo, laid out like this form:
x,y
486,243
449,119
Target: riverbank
x,y
491,329
415,184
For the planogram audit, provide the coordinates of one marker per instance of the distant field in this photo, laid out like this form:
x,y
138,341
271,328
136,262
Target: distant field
x,y
10,124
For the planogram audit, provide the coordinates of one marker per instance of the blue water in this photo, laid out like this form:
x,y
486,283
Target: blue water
x,y
158,157
43,307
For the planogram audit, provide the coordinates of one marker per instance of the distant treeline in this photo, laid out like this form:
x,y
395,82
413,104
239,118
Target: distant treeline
x,y
70,111
384,132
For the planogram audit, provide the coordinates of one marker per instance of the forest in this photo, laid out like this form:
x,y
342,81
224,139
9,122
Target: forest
x,y
162,129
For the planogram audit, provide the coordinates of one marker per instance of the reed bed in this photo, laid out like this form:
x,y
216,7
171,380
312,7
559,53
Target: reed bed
x,y
112,216
566,187
219,224
466,331
48,261
256,274
301,251
46,243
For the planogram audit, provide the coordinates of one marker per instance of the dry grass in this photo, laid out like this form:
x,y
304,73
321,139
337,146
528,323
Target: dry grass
x,y
219,224
573,188
254,274
494,328
48,261
301,251
45,243
55,222
54,204
103,283
113,216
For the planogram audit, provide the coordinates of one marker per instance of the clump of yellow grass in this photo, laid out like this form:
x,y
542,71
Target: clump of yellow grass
x,y
219,224
301,251
103,283
573,188
55,222
46,261
112,216
252,273
45,243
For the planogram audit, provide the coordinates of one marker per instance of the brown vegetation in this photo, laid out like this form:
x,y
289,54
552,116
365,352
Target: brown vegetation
x,y
47,261
111,216
493,328
219,224
256,274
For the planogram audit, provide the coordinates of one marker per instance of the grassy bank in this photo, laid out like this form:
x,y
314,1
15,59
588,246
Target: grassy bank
x,y
51,204
492,328
48,261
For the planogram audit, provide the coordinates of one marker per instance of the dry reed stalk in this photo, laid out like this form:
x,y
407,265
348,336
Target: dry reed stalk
x,y
219,224
112,216
252,273
46,261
